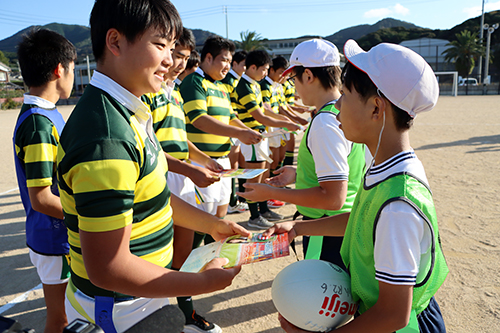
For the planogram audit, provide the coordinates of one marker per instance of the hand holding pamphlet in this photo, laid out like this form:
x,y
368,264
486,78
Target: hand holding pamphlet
x,y
238,250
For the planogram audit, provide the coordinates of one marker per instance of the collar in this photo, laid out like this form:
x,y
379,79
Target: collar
x,y
41,102
168,88
200,71
178,81
255,84
233,73
127,99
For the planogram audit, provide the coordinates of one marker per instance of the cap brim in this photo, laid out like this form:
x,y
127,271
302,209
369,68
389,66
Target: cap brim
x,y
288,70
352,49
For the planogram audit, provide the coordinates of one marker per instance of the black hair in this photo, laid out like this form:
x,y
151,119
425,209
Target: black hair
x,y
279,62
186,39
215,45
257,58
353,77
132,18
329,77
194,60
40,52
240,56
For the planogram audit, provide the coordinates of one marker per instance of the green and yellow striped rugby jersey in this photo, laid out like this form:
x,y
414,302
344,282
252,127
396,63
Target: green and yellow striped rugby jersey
x,y
270,94
204,96
289,89
36,146
230,82
249,99
112,175
169,122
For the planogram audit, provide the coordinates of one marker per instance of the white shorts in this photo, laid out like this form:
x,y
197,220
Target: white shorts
x,y
219,192
183,187
125,314
256,153
274,141
50,269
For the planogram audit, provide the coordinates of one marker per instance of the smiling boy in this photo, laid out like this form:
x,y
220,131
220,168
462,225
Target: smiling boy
x,y
112,177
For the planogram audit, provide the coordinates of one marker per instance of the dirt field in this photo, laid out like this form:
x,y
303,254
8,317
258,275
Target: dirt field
x,y
459,145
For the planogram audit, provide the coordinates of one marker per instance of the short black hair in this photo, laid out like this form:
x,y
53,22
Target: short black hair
x,y
240,56
194,60
40,52
279,62
186,39
215,45
131,18
257,58
353,77
329,77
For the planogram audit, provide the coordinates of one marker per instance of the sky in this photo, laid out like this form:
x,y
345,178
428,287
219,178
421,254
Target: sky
x,y
271,19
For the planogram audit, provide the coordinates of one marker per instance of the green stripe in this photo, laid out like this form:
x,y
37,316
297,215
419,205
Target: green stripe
x,y
97,204
152,242
38,170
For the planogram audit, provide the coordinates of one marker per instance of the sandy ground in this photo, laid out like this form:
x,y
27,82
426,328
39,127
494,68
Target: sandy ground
x,y
459,144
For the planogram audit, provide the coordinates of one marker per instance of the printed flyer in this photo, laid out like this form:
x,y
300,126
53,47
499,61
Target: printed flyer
x,y
242,173
238,250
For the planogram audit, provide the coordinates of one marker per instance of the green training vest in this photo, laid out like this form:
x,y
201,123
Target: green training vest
x,y
358,246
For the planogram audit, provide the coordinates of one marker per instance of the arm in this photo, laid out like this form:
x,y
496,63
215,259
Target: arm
x,y
329,195
211,125
258,115
291,115
44,201
200,176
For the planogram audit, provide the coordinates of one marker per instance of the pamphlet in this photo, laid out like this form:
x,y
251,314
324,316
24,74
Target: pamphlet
x,y
242,173
238,250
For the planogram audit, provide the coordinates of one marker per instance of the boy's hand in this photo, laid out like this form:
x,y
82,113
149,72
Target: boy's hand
x,y
286,176
250,137
203,177
281,228
217,276
224,228
212,165
293,127
256,192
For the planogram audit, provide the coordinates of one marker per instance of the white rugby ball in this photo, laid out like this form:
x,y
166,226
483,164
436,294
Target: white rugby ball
x,y
314,295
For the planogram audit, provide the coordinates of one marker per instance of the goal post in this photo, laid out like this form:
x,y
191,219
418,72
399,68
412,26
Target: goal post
x,y
445,82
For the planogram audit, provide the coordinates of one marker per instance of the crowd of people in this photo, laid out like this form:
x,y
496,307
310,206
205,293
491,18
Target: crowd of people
x,y
117,197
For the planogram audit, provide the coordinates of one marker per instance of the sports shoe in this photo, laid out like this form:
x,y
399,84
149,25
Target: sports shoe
x,y
240,207
272,216
273,203
260,223
198,324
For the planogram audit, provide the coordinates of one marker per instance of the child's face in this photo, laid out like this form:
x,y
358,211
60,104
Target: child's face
x,y
146,62
275,75
67,79
354,115
180,58
239,67
261,72
219,66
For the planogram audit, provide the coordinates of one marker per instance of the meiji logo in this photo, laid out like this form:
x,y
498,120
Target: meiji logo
x,y
336,306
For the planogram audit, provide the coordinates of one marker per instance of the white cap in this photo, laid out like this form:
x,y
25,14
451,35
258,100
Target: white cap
x,y
314,53
402,75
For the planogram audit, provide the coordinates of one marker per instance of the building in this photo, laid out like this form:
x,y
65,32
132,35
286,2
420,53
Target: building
x,y
4,73
284,47
82,77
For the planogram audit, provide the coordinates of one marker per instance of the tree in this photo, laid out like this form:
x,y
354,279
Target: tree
x,y
464,51
250,41
4,59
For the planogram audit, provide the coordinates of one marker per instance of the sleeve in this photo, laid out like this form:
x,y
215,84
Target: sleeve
x,y
249,100
37,144
329,148
195,100
402,241
103,179
266,93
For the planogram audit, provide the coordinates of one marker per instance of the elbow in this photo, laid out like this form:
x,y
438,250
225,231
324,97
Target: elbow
x,y
335,204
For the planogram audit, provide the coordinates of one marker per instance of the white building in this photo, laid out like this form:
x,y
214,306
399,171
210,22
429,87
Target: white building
x,y
432,51
82,77
4,73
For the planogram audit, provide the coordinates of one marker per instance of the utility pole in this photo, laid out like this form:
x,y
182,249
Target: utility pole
x,y
224,9
88,69
490,30
481,37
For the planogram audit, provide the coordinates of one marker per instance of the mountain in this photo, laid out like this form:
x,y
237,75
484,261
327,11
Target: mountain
x,y
339,38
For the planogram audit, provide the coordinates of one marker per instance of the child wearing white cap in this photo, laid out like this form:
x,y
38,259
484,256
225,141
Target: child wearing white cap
x,y
391,245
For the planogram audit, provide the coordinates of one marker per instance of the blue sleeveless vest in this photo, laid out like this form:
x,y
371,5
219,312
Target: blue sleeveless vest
x,y
44,234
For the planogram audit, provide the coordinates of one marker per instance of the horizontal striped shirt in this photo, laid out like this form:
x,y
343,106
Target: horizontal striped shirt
x,y
249,99
270,93
112,173
169,121
230,82
289,89
204,96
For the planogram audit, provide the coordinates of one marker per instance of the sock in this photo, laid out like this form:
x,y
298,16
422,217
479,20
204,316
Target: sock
x,y
288,158
234,199
263,207
198,238
254,209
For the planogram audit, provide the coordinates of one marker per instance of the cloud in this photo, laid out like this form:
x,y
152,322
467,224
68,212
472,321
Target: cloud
x,y
476,10
384,12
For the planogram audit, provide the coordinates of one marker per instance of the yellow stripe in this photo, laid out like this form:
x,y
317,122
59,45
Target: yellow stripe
x,y
216,101
162,257
100,175
77,265
42,182
106,223
68,202
70,294
153,184
159,114
40,152
144,228
171,134
195,105
207,138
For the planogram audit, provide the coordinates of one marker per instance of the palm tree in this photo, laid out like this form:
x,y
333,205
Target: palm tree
x,y
464,52
250,41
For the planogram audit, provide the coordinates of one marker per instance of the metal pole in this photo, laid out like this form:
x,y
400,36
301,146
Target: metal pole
x,y
481,37
227,25
487,64
88,70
